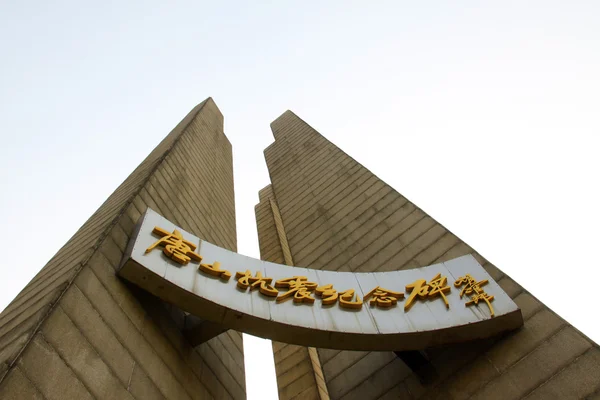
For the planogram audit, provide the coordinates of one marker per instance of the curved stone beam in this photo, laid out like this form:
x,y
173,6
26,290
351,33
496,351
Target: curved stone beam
x,y
202,289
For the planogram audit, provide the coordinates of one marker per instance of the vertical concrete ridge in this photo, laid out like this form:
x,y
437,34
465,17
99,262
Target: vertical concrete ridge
x,y
318,370
266,194
287,255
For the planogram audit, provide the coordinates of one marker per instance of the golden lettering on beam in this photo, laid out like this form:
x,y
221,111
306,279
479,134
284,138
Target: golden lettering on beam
x,y
472,287
299,287
182,251
327,309
330,296
214,269
436,286
383,297
346,300
328,293
175,246
263,284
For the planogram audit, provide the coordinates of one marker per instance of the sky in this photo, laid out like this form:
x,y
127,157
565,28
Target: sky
x,y
484,114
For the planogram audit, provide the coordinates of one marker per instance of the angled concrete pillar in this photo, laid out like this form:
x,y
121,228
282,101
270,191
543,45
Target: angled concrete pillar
x,y
78,332
337,215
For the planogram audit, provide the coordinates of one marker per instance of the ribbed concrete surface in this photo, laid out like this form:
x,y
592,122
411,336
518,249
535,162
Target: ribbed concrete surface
x,y
339,216
295,372
78,332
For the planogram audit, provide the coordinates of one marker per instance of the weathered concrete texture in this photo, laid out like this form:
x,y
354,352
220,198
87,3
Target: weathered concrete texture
x,y
339,216
77,331
299,374
295,375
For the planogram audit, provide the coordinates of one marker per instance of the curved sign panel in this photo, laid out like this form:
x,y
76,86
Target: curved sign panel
x,y
413,309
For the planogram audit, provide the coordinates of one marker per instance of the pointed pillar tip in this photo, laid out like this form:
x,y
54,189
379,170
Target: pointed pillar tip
x,y
286,113
210,103
281,121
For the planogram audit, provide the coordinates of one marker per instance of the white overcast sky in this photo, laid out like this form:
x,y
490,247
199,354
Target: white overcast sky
x,y
485,114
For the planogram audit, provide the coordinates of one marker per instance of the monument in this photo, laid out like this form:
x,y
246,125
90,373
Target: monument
x,y
364,294
323,210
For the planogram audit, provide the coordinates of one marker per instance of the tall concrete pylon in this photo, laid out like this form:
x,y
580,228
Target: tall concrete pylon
x,y
324,210
76,331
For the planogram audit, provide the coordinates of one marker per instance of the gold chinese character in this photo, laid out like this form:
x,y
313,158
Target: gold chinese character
x,y
330,296
472,287
436,286
299,287
263,284
215,270
383,297
328,293
175,246
346,300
